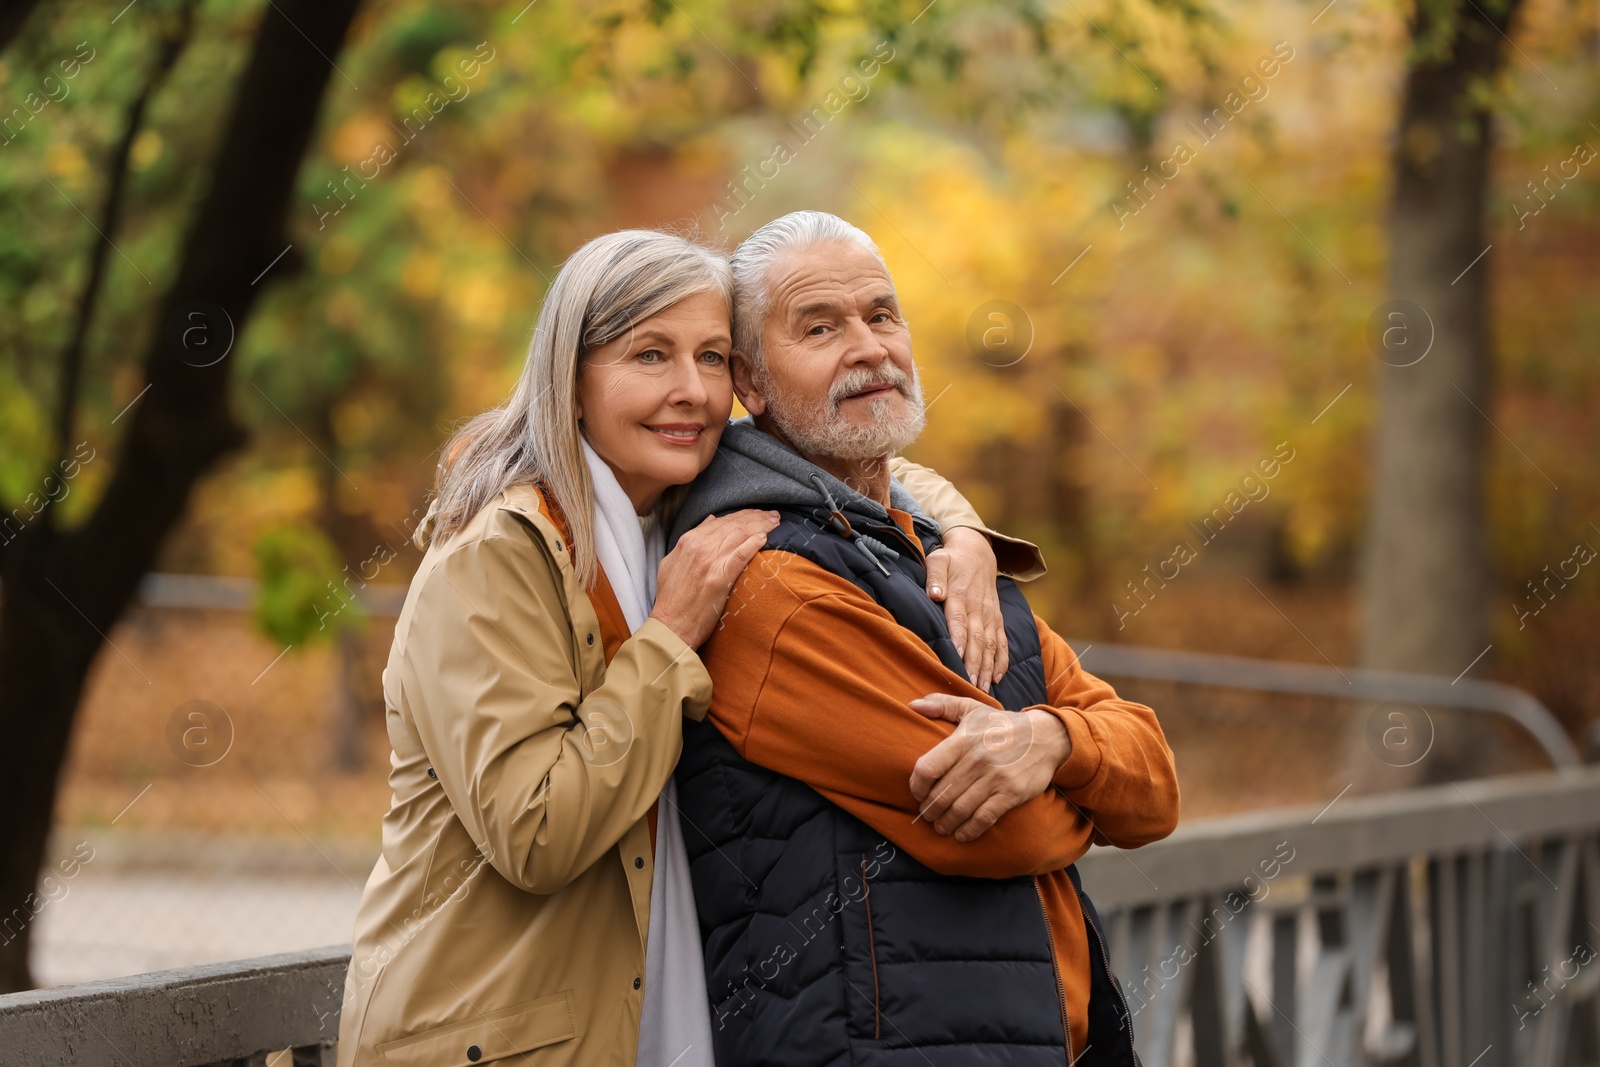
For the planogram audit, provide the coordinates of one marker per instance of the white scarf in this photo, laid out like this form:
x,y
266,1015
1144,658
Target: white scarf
x,y
675,1020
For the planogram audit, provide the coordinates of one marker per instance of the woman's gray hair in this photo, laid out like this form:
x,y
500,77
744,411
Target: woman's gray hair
x,y
752,261
606,288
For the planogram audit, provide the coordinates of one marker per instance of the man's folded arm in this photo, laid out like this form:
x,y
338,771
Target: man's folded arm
x,y
814,681
1119,772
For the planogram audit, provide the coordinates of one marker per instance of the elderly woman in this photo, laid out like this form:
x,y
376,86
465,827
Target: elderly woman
x,y
532,898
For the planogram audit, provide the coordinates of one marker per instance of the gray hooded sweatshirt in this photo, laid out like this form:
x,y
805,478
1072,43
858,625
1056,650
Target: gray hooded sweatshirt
x,y
753,469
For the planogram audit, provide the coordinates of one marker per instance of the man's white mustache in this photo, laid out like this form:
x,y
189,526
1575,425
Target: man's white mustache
x,y
862,380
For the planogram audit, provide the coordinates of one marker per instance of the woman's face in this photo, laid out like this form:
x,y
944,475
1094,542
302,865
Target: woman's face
x,y
653,402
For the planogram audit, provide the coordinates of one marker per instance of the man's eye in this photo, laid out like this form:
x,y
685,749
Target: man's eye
x,y
817,330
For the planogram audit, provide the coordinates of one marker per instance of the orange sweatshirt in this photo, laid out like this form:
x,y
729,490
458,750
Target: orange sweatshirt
x,y
800,645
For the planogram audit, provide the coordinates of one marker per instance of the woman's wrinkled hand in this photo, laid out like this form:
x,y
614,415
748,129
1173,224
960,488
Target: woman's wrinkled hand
x,y
696,577
962,575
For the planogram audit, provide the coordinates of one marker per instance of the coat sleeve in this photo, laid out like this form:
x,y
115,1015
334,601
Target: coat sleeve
x,y
545,779
1119,772
943,503
815,680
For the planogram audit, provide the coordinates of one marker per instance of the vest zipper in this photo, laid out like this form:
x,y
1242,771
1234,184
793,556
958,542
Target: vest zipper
x,y
872,952
910,546
1094,928
1055,969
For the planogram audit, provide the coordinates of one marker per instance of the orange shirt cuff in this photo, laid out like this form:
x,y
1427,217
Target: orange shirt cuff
x,y
1083,760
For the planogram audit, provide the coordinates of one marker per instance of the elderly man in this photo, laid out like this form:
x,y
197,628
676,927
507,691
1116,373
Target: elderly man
x,y
881,850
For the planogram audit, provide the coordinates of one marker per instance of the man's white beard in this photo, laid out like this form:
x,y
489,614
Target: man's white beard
x,y
819,428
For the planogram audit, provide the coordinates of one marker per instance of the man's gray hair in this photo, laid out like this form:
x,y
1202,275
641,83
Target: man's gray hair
x,y
752,262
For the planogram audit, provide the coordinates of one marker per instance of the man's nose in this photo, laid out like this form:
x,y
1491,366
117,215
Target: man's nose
x,y
863,345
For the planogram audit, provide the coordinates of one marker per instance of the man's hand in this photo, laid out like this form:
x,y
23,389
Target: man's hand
x,y
961,575
994,761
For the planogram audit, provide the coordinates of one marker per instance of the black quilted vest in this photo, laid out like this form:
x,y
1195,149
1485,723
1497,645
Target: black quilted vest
x,y
827,945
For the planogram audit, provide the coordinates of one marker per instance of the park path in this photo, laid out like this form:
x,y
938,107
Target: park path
x,y
154,904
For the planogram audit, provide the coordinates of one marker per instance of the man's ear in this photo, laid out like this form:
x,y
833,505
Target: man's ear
x,y
744,384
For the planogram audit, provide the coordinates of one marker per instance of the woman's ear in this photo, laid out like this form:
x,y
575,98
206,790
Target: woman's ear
x,y
744,384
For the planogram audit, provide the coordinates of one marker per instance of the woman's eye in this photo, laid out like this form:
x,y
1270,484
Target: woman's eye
x,y
714,358
650,355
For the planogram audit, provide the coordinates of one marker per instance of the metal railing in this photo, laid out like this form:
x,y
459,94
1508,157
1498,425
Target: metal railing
x,y
1344,683
1440,927
210,592
1454,926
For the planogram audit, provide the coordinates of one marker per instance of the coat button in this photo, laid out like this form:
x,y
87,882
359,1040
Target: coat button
x,y
474,1053
558,546
637,983
638,861
591,639
432,773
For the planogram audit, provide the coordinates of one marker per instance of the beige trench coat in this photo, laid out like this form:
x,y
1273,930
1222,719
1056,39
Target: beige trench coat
x,y
507,914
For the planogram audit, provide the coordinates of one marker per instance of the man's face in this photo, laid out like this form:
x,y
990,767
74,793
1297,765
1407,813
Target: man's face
x,y
838,377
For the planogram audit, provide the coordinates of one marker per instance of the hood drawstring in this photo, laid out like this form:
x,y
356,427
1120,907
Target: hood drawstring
x,y
870,547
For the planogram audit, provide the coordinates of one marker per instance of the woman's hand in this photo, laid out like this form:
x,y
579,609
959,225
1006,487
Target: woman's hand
x,y
696,577
961,575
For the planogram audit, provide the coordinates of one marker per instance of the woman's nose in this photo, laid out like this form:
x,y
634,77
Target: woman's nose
x,y
686,387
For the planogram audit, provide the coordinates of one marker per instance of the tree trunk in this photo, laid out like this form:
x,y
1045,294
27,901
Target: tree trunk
x,y
14,16
64,590
353,538
1427,569
350,705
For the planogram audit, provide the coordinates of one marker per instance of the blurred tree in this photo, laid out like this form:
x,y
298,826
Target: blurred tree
x,y
173,40
12,18
65,588
303,592
1428,572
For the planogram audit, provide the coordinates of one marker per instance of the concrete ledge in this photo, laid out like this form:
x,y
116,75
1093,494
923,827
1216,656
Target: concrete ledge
x,y
191,1016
